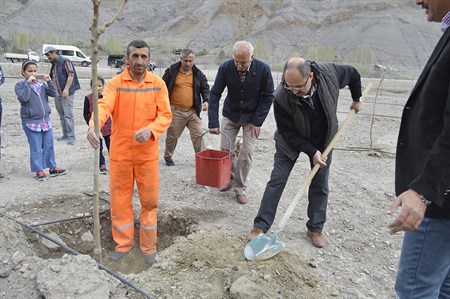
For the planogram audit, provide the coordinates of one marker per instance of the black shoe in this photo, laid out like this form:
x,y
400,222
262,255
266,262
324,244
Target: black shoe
x,y
117,256
169,162
150,259
57,171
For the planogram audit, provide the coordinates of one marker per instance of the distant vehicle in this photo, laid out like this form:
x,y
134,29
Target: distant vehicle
x,y
27,55
121,63
73,53
115,60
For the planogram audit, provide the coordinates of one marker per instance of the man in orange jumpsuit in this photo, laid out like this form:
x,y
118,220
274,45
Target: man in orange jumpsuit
x,y
139,104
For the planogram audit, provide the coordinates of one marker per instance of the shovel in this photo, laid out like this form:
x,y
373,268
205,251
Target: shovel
x,y
263,247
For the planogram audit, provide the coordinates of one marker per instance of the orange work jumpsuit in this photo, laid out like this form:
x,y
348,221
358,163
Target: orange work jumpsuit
x,y
134,106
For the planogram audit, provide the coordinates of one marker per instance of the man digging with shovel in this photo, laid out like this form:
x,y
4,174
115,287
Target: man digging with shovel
x,y
305,113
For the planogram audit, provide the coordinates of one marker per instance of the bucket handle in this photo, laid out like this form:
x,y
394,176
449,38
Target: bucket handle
x,y
228,138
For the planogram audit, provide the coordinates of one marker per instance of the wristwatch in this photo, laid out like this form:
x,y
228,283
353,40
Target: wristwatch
x,y
425,200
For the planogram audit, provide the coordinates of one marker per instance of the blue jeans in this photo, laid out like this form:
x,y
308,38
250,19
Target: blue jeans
x,y
42,153
317,193
424,266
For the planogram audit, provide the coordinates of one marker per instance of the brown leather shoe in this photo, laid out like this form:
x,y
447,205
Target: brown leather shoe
x,y
254,232
241,198
317,238
227,187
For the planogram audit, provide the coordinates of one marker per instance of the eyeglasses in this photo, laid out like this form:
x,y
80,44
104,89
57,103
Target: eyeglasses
x,y
298,88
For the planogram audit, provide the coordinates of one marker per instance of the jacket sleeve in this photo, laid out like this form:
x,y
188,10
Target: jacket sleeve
x,y
2,76
86,114
204,87
163,113
434,179
266,98
23,91
214,98
287,130
349,76
50,90
166,77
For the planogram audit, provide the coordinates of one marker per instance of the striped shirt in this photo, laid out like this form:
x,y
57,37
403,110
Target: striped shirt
x,y
445,22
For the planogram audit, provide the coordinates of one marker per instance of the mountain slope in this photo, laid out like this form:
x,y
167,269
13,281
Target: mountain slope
x,y
392,33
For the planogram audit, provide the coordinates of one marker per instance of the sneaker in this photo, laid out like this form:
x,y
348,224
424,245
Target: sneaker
x,y
169,162
57,171
150,259
103,169
317,238
71,142
241,198
254,232
61,138
40,176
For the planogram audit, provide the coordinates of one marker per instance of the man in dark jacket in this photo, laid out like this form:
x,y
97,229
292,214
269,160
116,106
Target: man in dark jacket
x,y
250,94
305,113
65,77
189,94
422,174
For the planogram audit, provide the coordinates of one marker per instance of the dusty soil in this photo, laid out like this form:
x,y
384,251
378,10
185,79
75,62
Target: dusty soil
x,y
202,232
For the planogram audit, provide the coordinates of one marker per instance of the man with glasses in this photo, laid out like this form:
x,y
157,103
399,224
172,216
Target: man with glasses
x,y
250,94
305,113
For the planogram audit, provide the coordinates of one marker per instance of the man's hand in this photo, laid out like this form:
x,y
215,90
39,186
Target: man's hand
x,y
317,158
65,93
411,212
357,105
205,106
92,138
255,130
143,135
214,131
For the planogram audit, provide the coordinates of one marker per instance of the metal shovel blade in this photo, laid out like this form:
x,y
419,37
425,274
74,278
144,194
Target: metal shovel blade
x,y
263,247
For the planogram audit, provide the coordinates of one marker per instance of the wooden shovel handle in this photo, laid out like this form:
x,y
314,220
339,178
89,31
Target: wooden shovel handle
x,y
316,167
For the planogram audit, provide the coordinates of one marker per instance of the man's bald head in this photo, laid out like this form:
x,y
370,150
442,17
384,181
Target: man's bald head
x,y
297,76
297,64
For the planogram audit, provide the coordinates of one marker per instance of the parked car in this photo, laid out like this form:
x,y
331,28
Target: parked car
x,y
27,55
115,60
151,64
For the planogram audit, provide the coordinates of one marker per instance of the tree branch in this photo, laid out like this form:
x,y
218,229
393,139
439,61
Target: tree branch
x,y
114,18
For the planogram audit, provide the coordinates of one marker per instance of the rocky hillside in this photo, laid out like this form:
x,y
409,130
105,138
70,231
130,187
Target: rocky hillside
x,y
392,33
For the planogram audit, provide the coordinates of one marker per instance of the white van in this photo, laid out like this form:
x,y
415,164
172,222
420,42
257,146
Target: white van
x,y
72,53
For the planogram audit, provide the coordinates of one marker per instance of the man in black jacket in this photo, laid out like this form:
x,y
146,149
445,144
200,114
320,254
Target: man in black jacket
x,y
422,174
305,113
189,94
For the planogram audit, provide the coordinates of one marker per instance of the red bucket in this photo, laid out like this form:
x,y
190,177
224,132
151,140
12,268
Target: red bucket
x,y
213,167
